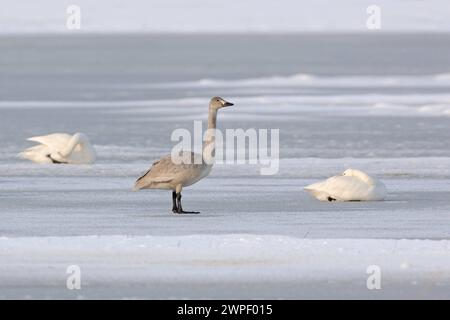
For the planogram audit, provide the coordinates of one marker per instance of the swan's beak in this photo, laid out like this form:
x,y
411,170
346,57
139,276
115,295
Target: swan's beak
x,y
228,104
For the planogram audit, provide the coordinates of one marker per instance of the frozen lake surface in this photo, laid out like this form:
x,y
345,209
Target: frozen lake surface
x,y
339,102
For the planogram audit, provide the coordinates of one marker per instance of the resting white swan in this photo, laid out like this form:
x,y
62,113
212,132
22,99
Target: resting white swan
x,y
352,185
61,148
174,174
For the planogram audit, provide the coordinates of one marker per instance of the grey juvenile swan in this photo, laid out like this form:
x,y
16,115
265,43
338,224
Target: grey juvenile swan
x,y
174,175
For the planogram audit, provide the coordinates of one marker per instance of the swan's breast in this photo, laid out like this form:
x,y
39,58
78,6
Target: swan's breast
x,y
195,173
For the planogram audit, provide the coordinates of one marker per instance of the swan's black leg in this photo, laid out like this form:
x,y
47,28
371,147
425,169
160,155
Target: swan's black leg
x,y
55,161
180,208
331,199
174,201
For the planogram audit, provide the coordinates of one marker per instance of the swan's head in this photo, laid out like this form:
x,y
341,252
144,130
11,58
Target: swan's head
x,y
349,172
358,174
218,102
81,138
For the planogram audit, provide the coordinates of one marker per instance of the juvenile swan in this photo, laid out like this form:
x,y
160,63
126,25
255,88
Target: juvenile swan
x,y
61,148
352,185
174,174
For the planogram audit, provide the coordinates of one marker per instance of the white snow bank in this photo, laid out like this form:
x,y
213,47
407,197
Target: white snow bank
x,y
258,253
280,97
234,258
310,80
276,107
216,16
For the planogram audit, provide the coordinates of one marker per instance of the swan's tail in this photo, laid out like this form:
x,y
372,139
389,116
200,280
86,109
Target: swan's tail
x,y
139,185
37,154
140,182
27,153
312,187
21,155
315,191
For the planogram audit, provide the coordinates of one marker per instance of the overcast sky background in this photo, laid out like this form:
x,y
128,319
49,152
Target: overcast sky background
x,y
24,16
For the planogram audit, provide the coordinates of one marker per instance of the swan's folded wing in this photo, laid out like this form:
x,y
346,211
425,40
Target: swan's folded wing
x,y
351,189
160,172
166,171
342,188
55,141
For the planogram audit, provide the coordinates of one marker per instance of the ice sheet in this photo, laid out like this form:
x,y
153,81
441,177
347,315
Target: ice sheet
x,y
257,236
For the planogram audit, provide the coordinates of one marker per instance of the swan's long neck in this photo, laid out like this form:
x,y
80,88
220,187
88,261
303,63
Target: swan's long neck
x,y
73,142
209,145
367,179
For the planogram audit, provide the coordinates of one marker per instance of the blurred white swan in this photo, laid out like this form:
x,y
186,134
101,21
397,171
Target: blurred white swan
x,y
61,148
352,185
